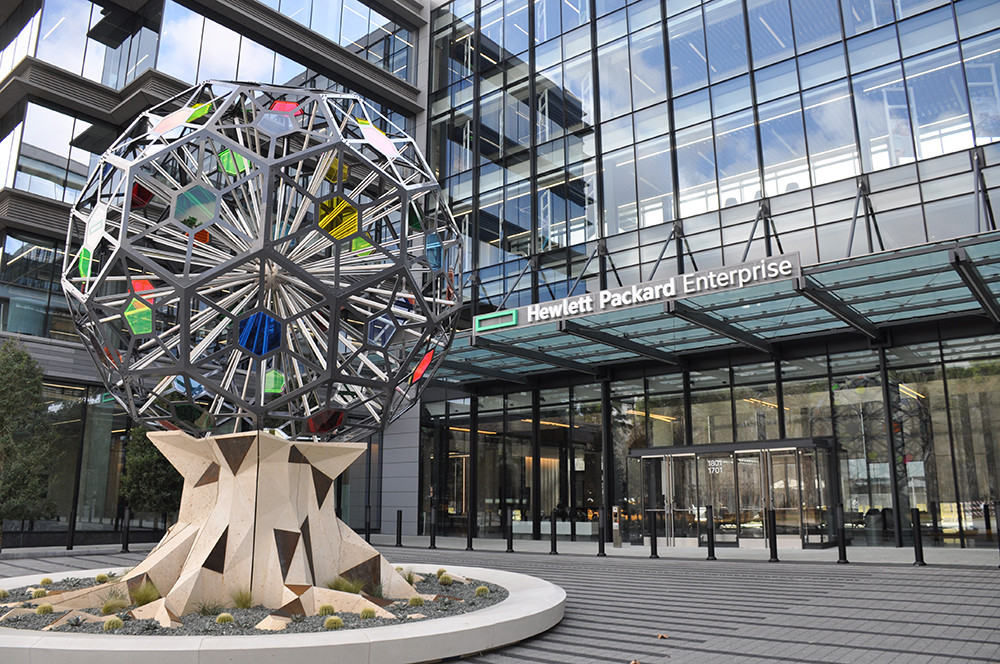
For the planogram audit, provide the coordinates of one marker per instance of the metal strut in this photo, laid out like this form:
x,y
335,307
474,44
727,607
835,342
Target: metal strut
x,y
871,222
770,231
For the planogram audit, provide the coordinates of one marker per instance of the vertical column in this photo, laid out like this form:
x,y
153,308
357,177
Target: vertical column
x,y
472,498
891,438
607,449
536,467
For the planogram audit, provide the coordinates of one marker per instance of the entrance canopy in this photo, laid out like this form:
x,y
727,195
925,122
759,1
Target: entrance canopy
x,y
860,296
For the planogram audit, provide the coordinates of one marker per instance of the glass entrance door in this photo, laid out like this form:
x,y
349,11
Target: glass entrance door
x,y
750,485
784,493
717,488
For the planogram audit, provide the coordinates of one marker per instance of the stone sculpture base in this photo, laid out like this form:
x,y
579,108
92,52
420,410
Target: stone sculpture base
x,y
257,515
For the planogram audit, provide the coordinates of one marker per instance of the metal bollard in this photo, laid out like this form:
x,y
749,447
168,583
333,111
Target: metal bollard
x,y
600,534
552,520
918,544
652,533
125,529
399,528
368,523
710,520
772,535
433,528
996,512
510,530
841,536
986,518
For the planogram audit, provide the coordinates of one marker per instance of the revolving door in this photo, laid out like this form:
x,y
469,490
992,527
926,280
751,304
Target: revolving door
x,y
741,481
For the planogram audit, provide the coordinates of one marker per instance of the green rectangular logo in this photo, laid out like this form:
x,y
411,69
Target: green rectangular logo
x,y
495,321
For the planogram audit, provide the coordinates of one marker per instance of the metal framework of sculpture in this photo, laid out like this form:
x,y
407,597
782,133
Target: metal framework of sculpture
x,y
253,266
264,257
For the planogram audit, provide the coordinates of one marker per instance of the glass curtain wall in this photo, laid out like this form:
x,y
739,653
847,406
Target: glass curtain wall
x,y
558,124
91,433
912,429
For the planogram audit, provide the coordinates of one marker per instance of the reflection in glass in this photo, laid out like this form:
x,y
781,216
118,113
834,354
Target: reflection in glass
x,y
782,139
863,15
938,105
736,150
696,170
770,31
817,23
647,66
883,119
725,35
619,191
982,71
656,201
688,64
833,154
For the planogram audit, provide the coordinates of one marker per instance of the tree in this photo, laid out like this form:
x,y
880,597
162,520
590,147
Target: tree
x,y
149,483
27,442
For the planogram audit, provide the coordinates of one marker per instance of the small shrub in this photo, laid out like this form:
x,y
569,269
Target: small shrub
x,y
333,622
326,610
38,593
112,624
4,594
101,578
440,572
224,619
346,585
209,608
445,580
482,591
377,591
367,613
113,604
144,594
416,600
75,621
44,609
297,617
47,581
242,598
410,578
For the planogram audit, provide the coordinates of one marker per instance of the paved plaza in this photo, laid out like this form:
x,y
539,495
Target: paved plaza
x,y
740,608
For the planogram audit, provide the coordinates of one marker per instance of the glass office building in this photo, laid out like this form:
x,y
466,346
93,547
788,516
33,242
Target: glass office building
x,y
617,151
73,75
596,145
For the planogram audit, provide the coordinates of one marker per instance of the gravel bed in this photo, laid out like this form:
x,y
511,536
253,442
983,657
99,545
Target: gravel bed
x,y
453,600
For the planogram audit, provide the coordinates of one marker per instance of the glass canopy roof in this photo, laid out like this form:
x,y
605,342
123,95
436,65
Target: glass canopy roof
x,y
858,295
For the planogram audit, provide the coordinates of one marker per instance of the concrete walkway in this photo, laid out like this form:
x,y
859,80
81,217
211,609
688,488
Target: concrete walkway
x,y
739,608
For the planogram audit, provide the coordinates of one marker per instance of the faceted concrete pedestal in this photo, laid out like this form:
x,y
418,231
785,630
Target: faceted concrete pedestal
x,y
258,515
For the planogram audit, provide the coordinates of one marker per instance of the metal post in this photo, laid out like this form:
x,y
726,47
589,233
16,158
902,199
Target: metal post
x,y
652,533
433,527
600,534
986,518
841,536
996,512
710,520
399,527
125,528
510,530
368,523
552,534
772,535
918,544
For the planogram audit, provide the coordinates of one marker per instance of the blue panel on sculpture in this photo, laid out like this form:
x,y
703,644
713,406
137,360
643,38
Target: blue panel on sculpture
x,y
181,385
260,333
435,253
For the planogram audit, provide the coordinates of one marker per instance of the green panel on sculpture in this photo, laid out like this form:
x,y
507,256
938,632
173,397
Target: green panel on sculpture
x,y
233,163
274,381
195,206
199,111
361,245
139,317
84,263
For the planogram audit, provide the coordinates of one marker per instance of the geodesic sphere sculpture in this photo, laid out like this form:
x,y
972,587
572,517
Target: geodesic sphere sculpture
x,y
264,257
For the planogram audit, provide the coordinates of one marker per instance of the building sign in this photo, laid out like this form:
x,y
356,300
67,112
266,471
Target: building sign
x,y
765,270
